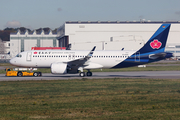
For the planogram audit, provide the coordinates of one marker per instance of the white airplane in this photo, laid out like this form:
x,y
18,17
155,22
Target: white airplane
x,y
69,62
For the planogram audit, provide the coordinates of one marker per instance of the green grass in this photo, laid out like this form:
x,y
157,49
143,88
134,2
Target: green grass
x,y
103,99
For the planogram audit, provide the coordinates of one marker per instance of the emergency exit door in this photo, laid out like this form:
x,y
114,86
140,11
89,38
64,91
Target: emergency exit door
x,y
137,57
28,56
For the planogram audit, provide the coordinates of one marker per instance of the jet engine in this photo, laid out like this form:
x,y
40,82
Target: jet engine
x,y
62,68
59,68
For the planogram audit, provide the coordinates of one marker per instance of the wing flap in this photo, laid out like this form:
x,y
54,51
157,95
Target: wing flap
x,y
93,66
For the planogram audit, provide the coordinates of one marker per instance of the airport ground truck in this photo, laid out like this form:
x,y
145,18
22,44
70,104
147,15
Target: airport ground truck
x,y
12,72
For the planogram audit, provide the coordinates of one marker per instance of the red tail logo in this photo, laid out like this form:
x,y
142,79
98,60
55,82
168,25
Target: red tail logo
x,y
155,44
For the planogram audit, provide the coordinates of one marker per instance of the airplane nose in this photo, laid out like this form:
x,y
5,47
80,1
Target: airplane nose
x,y
12,61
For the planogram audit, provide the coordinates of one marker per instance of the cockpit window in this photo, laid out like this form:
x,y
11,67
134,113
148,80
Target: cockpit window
x,y
18,55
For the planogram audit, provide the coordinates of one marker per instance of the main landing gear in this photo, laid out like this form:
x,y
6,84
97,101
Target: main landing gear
x,y
82,74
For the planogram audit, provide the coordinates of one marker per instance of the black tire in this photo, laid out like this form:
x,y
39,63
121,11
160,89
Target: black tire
x,y
81,74
35,74
19,74
89,73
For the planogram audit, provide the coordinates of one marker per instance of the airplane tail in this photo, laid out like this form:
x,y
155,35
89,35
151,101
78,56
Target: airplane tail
x,y
157,42
152,51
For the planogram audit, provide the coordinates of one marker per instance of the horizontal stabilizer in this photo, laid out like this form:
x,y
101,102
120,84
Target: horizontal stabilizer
x,y
160,55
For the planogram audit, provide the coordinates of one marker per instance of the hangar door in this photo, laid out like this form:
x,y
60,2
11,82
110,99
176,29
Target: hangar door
x,y
64,41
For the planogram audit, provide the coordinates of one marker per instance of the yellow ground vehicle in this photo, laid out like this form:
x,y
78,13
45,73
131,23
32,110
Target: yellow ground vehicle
x,y
12,72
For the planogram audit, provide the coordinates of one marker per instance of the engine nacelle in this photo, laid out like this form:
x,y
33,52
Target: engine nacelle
x,y
59,68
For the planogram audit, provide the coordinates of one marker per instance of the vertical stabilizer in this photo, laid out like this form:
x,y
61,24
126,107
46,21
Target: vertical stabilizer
x,y
158,41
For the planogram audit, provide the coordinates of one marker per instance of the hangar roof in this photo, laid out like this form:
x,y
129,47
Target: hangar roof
x,y
118,22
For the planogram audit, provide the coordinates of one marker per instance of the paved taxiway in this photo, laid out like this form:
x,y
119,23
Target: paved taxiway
x,y
137,74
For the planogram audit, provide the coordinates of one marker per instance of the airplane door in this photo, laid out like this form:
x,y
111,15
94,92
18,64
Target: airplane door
x,y
137,57
28,56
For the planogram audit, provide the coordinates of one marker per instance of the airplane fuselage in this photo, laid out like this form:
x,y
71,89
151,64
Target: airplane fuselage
x,y
44,58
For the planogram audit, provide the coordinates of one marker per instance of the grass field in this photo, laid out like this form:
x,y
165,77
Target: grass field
x,y
91,99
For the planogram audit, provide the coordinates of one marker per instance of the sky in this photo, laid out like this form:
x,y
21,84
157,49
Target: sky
x,y
34,14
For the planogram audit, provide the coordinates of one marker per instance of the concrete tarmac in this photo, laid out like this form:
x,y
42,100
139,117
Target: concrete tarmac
x,y
136,74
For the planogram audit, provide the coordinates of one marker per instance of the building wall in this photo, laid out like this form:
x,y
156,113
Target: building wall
x,y
6,47
4,50
1,47
114,36
24,42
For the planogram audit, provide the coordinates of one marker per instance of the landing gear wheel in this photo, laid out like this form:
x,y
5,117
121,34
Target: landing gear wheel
x,y
19,74
35,74
81,74
89,73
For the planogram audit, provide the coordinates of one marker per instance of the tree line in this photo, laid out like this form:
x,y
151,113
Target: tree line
x,y
5,34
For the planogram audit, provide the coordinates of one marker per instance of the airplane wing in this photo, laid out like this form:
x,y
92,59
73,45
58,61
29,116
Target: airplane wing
x,y
74,64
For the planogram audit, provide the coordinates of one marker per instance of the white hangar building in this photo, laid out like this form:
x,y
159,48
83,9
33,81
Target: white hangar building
x,y
20,42
115,35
